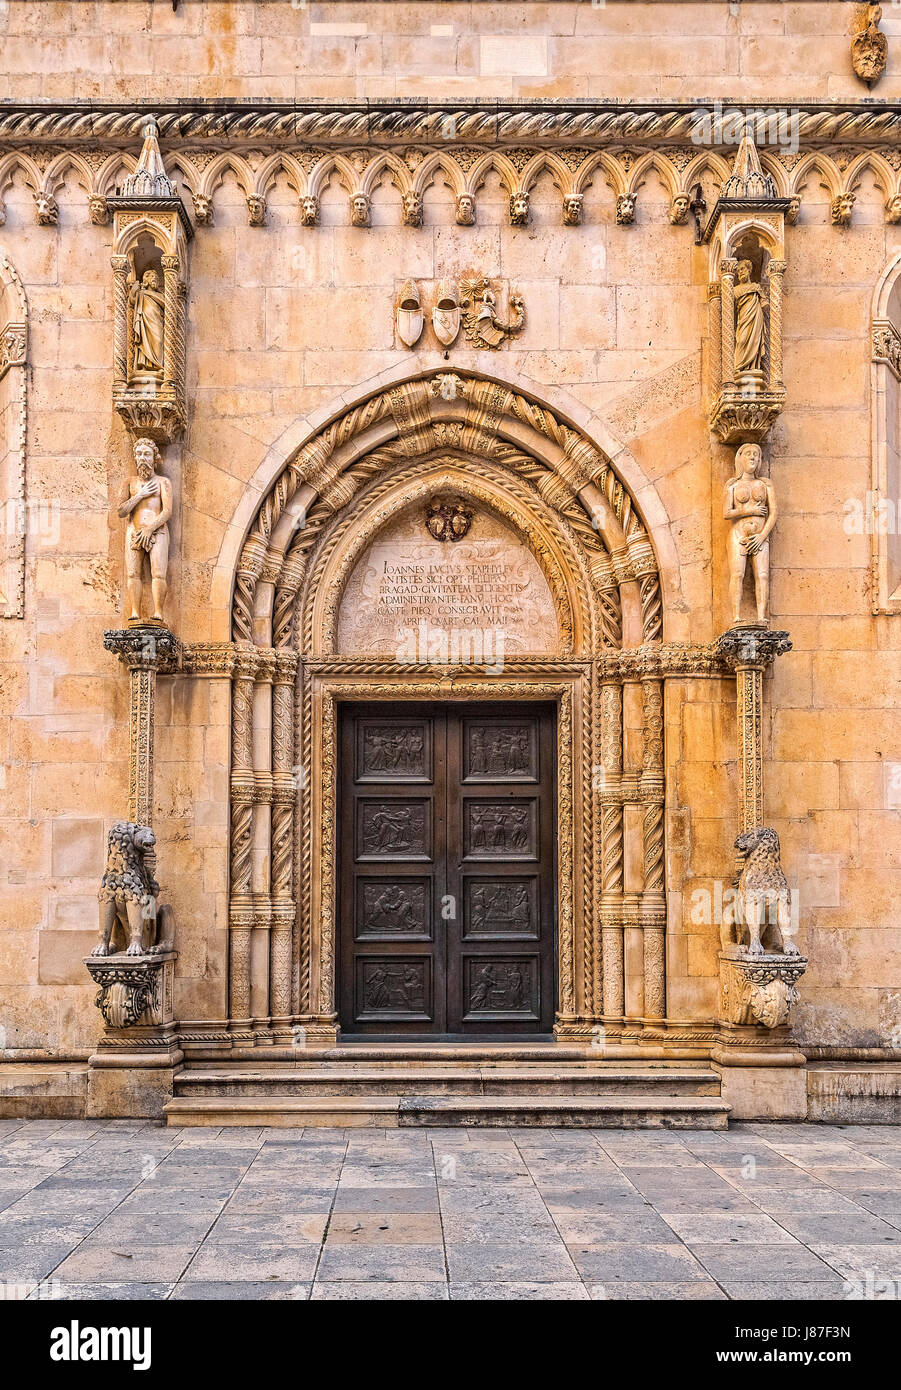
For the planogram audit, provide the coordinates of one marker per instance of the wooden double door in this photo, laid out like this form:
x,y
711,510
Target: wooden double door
x,y
446,849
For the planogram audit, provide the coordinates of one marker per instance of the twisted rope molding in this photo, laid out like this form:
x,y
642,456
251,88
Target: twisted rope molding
x,y
391,123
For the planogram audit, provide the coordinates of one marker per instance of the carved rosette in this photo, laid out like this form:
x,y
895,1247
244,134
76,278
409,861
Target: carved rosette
x,y
759,991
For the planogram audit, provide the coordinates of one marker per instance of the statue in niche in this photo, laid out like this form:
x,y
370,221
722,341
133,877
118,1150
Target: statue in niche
x,y
147,503
147,318
750,322
750,505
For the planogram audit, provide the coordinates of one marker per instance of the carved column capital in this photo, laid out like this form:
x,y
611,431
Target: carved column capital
x,y
751,646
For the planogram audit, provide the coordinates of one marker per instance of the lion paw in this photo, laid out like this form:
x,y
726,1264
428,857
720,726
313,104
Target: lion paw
x,y
101,949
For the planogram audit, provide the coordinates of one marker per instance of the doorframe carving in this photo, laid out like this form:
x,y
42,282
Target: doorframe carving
x,y
565,499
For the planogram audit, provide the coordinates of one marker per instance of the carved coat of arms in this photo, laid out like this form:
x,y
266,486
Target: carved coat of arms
x,y
481,325
448,520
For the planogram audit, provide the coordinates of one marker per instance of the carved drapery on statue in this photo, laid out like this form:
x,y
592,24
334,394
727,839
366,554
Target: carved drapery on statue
x,y
151,230
746,232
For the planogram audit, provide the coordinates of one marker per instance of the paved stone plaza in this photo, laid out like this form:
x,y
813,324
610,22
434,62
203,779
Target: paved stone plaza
x,y
128,1209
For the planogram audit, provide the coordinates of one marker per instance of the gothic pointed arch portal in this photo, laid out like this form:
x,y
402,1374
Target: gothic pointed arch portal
x,y
503,454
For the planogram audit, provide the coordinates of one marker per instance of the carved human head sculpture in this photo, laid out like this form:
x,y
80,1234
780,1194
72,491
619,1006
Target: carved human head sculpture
x,y
465,210
743,272
203,208
748,458
519,209
359,210
150,279
309,210
412,209
99,209
572,209
625,209
893,210
256,209
147,456
794,211
678,212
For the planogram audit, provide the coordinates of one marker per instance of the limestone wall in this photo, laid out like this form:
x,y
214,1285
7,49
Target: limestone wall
x,y
781,50
285,323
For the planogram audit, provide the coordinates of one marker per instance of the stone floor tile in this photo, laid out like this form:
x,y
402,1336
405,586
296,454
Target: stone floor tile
x,y
622,1261
112,1292
143,1264
840,1228
857,1261
712,1228
382,1263
241,1228
701,1289
240,1292
518,1292
373,1199
761,1263
255,1262
434,1291
816,1290
473,1262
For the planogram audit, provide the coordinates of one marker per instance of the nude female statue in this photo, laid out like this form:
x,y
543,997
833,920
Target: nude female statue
x,y
750,321
750,504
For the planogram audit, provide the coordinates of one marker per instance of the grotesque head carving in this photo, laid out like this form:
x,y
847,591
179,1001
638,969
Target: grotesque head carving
x,y
625,209
572,209
412,209
99,209
309,211
256,207
519,209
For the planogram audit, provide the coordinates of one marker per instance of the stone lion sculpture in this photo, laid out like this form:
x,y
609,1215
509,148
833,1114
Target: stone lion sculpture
x,y
128,892
763,908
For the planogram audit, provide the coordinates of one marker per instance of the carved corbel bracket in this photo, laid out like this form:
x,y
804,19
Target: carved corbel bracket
x,y
134,990
759,990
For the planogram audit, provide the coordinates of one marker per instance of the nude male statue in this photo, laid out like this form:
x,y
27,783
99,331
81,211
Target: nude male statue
x,y
147,503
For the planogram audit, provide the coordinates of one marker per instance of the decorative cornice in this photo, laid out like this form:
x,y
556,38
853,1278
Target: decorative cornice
x,y
393,122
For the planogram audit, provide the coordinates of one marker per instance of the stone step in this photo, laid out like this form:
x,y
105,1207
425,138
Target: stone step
x,y
417,1079
393,1111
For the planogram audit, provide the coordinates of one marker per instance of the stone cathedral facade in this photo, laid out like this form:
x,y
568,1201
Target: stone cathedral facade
x,y
450,575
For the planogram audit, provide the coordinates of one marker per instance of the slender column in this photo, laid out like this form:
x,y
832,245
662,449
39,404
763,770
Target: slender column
x,y
242,798
748,651
145,650
775,273
283,794
170,321
120,320
610,794
715,336
652,910
727,319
